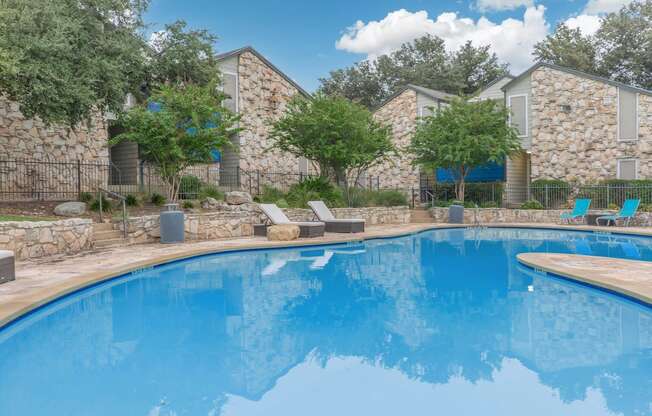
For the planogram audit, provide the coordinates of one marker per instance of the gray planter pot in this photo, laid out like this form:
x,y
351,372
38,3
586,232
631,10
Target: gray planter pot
x,y
456,214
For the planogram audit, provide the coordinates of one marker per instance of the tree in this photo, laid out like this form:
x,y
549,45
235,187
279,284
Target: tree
x,y
191,123
568,47
463,136
67,59
423,62
181,56
624,42
341,137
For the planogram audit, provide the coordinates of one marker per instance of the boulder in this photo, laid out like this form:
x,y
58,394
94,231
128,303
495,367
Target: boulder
x,y
70,209
283,232
238,198
212,203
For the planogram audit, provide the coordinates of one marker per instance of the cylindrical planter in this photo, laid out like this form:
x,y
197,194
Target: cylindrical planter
x,y
456,214
172,225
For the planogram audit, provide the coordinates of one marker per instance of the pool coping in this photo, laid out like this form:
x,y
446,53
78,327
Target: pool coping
x,y
24,304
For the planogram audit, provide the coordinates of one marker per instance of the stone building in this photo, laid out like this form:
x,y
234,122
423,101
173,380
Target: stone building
x,y
578,127
402,111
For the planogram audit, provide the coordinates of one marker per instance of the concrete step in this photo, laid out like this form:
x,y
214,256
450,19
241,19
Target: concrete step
x,y
102,226
107,235
111,242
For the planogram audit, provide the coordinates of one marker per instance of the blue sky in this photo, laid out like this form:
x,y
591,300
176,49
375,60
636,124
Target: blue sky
x,y
308,38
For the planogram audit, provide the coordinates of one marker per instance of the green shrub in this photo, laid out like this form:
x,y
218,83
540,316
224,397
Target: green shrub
x,y
212,191
157,199
532,204
646,208
270,195
107,206
388,198
614,207
552,192
282,203
359,197
490,204
85,197
132,200
187,205
312,189
189,187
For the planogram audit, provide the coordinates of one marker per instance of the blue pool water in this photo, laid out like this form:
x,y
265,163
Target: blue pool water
x,y
440,323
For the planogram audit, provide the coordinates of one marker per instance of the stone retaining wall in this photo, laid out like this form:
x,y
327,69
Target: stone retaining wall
x,y
372,215
505,215
29,240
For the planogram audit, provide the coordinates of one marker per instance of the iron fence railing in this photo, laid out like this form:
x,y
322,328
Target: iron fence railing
x,y
42,180
603,196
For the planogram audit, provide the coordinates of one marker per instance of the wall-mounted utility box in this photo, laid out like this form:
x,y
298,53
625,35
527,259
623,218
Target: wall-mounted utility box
x,y
7,266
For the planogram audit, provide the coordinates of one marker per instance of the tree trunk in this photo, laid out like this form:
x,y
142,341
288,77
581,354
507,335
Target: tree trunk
x,y
460,185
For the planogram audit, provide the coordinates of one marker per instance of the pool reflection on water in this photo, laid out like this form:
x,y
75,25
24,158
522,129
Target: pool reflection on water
x,y
443,322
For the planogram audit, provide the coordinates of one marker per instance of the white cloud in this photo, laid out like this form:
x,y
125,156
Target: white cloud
x,y
588,24
604,6
486,5
512,39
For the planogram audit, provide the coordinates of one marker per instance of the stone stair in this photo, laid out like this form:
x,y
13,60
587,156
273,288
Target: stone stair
x,y
106,236
420,216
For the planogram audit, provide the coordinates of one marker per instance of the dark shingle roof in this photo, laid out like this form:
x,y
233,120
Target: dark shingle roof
x,y
240,51
576,73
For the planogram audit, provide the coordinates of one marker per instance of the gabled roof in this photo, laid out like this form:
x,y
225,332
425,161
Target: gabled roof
x,y
434,94
576,73
492,83
240,51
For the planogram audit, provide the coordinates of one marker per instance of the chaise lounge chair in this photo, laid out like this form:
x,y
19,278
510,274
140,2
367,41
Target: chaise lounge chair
x,y
580,210
277,217
335,225
627,212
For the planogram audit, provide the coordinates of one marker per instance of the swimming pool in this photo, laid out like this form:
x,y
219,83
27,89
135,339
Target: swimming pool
x,y
443,322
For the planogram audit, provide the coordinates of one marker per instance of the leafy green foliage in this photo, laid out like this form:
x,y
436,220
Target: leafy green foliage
x,y
107,205
210,191
343,138
423,62
269,195
532,204
313,189
85,197
180,56
462,136
157,199
189,187
551,192
191,124
377,198
568,47
63,60
620,49
188,205
132,200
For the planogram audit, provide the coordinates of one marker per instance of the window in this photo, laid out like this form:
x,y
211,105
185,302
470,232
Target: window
x,y
518,113
628,169
627,115
230,88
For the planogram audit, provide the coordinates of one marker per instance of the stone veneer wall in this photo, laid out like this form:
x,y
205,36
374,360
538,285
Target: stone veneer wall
x,y
582,145
372,215
504,215
263,96
401,114
29,240
23,138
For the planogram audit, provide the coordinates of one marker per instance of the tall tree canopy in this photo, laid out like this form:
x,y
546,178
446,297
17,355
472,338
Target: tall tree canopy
x,y
340,136
180,56
424,62
463,136
620,49
64,59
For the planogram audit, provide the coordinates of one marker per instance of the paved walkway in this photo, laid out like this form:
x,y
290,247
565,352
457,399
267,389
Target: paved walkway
x,y
630,277
39,281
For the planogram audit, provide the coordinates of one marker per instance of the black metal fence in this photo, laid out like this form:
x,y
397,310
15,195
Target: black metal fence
x,y
38,180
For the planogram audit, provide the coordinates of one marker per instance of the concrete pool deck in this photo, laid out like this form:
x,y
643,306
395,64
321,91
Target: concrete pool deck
x,y
41,281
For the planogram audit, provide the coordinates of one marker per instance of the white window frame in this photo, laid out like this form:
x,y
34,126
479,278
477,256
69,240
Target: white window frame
x,y
527,113
635,139
628,159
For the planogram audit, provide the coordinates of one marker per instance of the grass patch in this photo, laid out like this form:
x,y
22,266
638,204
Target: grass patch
x,y
4,218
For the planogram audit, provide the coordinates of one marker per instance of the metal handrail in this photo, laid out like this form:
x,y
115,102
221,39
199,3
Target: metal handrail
x,y
122,198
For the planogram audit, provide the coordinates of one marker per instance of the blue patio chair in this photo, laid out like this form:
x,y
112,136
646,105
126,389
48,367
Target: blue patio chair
x,y
627,212
580,210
